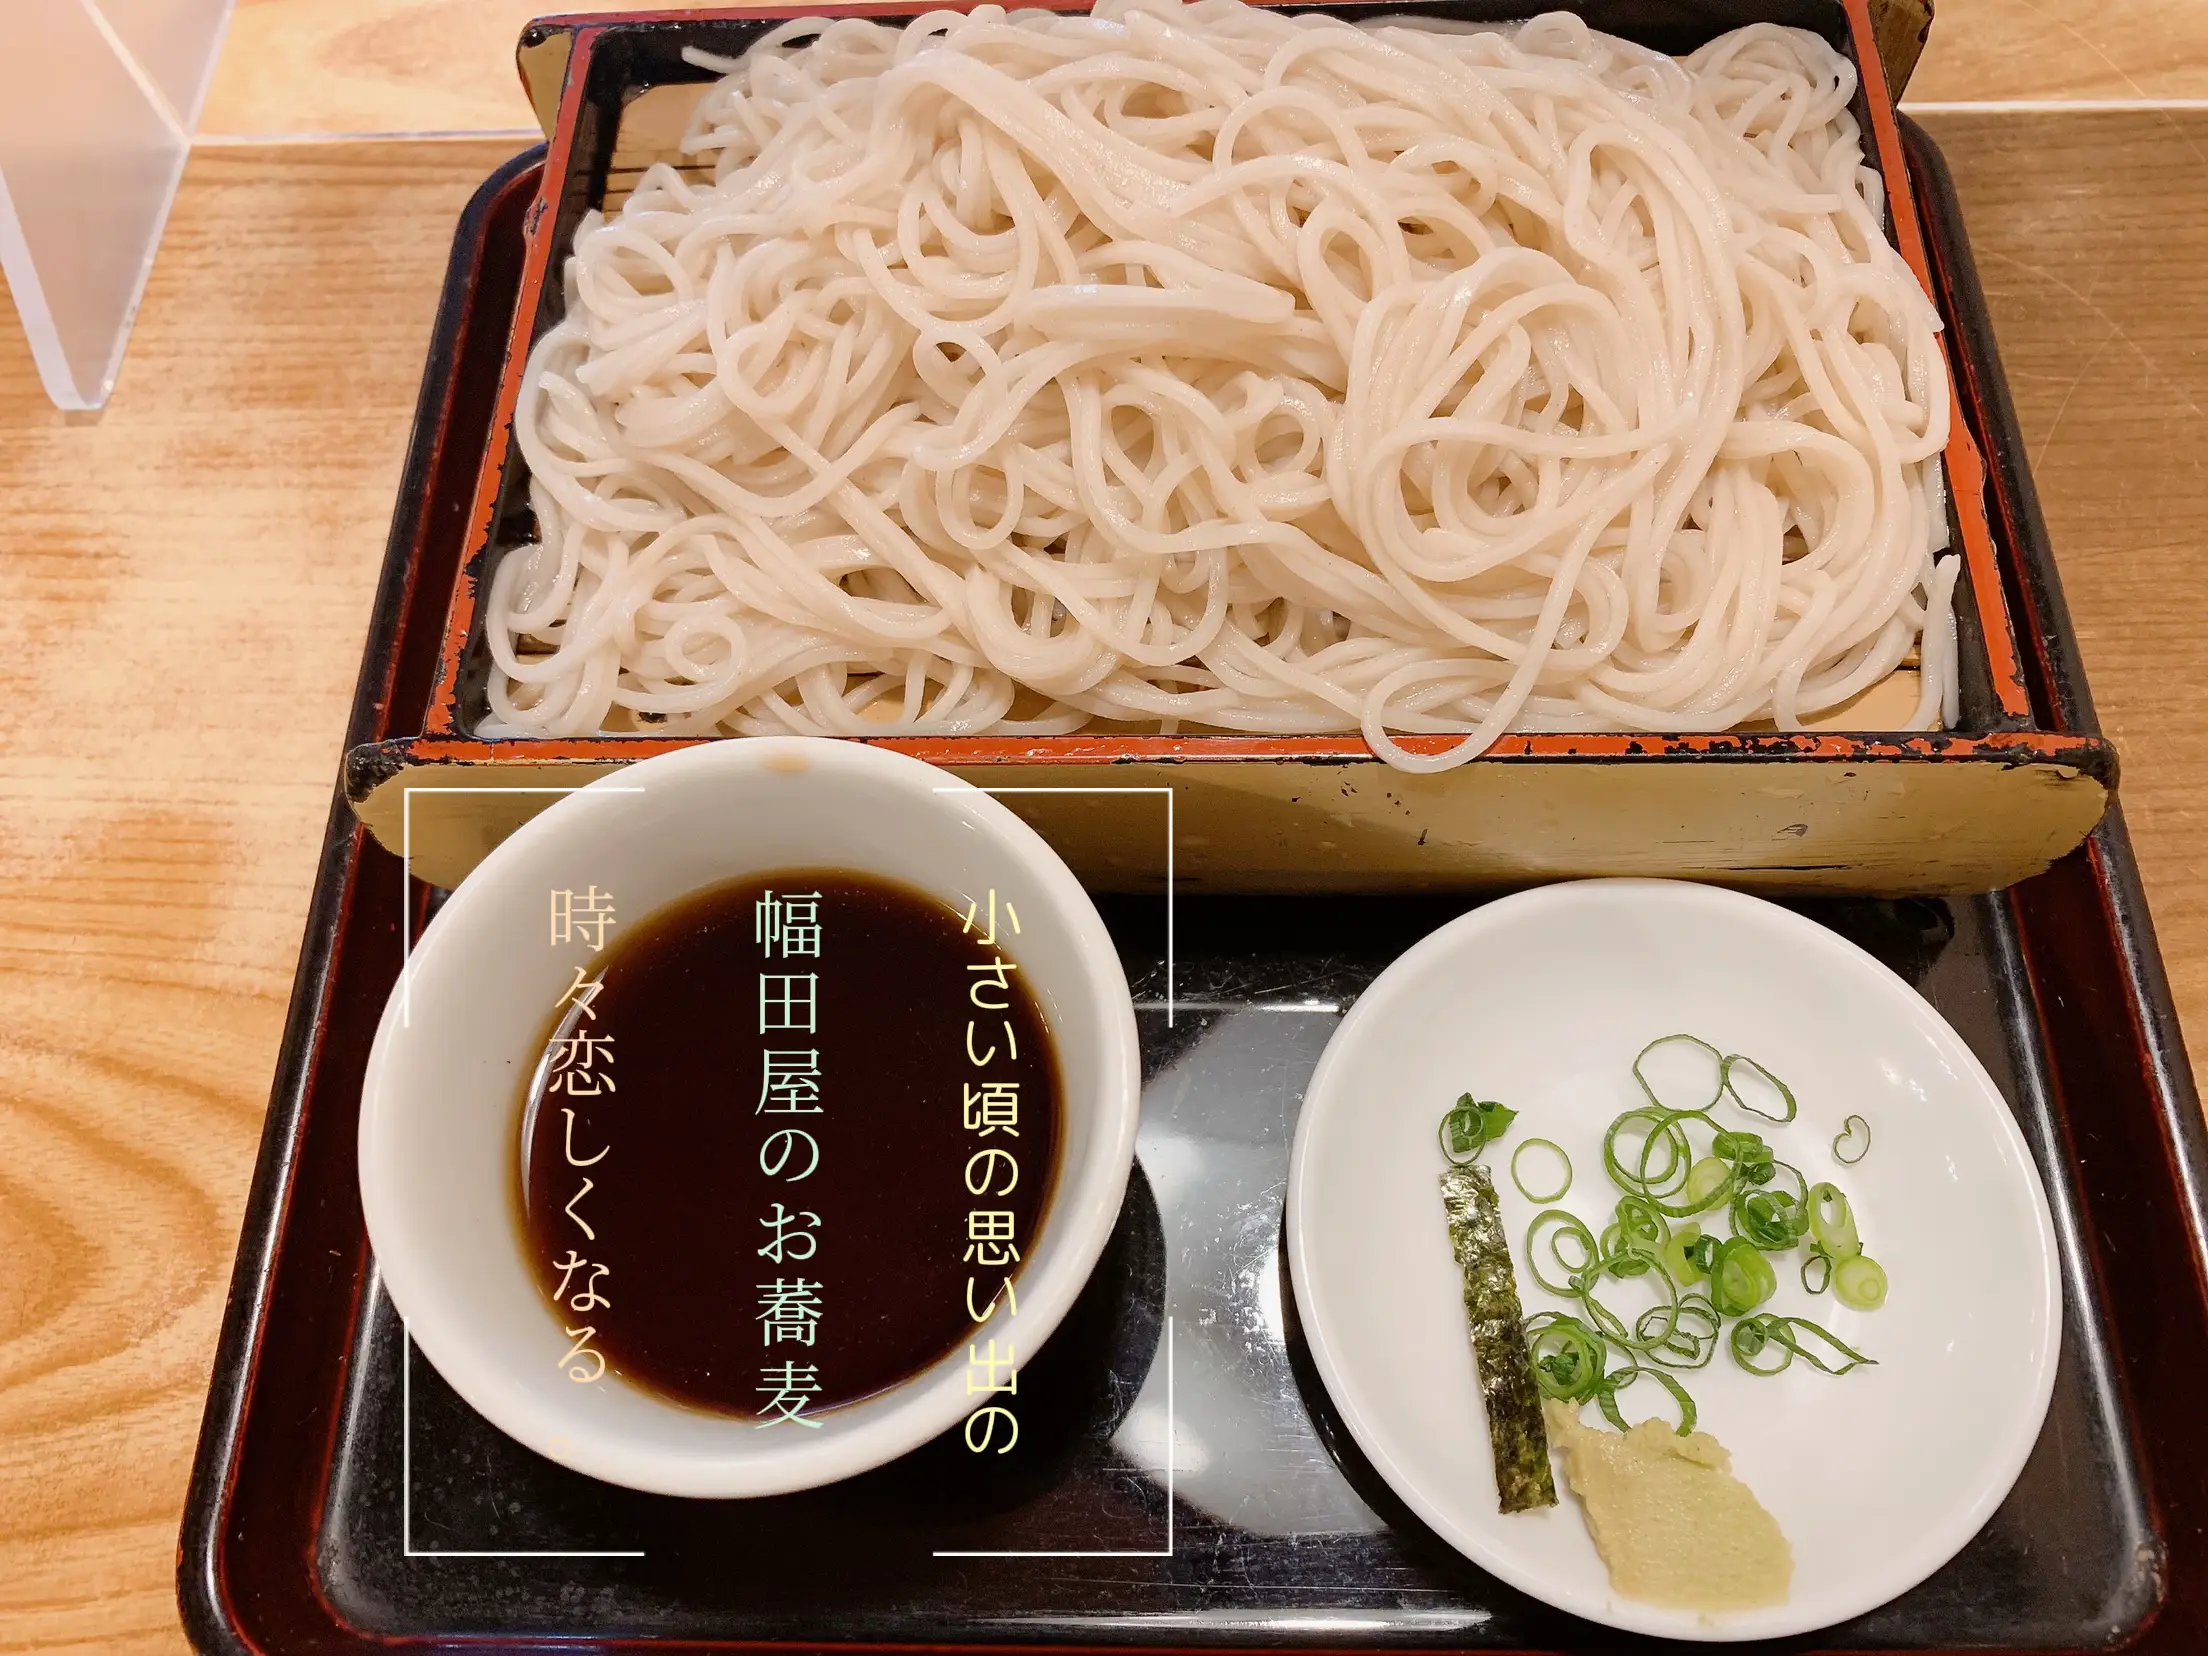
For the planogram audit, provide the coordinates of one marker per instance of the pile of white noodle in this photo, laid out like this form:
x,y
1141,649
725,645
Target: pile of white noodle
x,y
1195,366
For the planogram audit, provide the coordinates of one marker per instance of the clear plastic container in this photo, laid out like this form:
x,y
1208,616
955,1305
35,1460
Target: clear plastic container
x,y
98,99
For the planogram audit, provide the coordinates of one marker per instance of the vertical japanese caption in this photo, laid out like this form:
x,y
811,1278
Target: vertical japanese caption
x,y
990,1115
787,928
580,1067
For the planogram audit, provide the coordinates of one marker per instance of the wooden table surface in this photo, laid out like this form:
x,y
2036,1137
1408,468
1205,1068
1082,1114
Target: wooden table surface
x,y
185,580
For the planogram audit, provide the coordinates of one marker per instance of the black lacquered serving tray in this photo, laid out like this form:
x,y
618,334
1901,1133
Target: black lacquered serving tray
x,y
1183,1482
1274,1530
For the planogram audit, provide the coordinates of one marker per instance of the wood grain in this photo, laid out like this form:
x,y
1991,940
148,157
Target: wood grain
x,y
2091,236
362,66
413,66
183,589
1998,50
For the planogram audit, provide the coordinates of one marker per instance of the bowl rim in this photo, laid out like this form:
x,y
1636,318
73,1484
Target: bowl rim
x,y
1631,1616
1083,1208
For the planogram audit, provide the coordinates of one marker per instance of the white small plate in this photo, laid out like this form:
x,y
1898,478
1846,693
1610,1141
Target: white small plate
x,y
1541,1001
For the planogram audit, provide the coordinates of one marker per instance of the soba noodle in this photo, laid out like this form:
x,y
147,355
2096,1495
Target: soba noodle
x,y
1197,366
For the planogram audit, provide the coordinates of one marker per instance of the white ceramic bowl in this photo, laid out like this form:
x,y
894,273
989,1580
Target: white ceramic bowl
x,y
1541,1000
440,1108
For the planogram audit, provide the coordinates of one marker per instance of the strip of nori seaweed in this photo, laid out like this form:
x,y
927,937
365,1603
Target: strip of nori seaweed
x,y
1514,1426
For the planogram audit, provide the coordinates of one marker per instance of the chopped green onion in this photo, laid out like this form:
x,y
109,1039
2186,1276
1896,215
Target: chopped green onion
x,y
1742,1063
1788,1173
1659,1128
1621,1258
1561,1226
1742,1278
1854,1128
1773,1220
1567,1355
1606,1322
1471,1127
1687,1338
1555,1195
1607,1396
1709,1288
1675,1258
1754,1337
1707,1180
1569,1364
1748,1156
1860,1282
1717,1091
1639,1228
1831,1222
1462,1135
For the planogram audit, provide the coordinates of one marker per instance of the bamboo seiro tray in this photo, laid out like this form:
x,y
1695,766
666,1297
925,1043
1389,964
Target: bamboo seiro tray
x,y
1849,806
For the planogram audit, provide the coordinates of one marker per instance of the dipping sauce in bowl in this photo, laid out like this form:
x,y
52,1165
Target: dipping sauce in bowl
x,y
789,1141
787,1050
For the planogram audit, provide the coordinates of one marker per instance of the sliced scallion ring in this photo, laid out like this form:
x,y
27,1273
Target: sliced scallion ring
x,y
1463,1132
1686,1336
1817,1257
1754,1339
1560,1226
1716,1092
1567,1356
1772,1219
1859,1282
1607,1395
1832,1222
1556,1195
1707,1181
1741,1278
1740,1063
1670,1164
1677,1258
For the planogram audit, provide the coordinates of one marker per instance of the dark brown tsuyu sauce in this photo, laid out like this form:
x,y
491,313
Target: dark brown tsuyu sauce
x,y
679,1199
